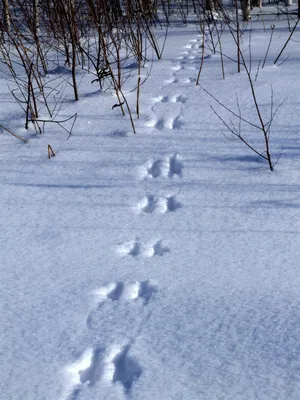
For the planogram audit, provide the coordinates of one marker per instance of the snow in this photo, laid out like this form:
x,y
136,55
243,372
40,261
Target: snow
x,y
161,265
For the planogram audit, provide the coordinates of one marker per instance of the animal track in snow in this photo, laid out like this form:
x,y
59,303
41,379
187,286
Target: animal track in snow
x,y
186,60
116,291
183,80
112,291
132,248
87,370
167,167
161,99
119,291
126,369
158,249
195,45
165,123
169,81
110,366
135,248
179,99
177,123
161,123
175,166
154,204
166,99
141,291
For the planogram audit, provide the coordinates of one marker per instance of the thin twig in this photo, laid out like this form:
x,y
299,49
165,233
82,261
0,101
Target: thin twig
x,y
229,110
9,131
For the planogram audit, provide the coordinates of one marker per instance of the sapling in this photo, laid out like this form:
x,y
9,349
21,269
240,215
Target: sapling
x,y
6,15
260,126
266,55
287,41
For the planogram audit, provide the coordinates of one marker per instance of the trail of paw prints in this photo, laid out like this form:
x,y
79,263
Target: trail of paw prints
x,y
165,114
191,51
156,204
110,366
188,59
135,248
168,167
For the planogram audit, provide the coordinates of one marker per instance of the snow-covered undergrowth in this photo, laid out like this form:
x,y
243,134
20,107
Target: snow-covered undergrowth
x,y
160,265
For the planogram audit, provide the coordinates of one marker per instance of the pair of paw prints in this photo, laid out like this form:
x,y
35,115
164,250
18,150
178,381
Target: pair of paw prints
x,y
165,123
157,204
116,291
167,167
167,99
109,366
135,248
114,364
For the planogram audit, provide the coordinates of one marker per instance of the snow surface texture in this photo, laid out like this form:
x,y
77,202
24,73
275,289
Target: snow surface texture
x,y
162,265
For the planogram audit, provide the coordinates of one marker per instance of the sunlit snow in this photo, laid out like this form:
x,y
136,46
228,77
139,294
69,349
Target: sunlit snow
x,y
160,265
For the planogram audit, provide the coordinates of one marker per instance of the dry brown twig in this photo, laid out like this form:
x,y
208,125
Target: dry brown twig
x,y
50,152
13,134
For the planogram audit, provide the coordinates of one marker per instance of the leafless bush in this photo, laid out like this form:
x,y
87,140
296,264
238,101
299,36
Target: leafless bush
x,y
263,124
24,58
99,37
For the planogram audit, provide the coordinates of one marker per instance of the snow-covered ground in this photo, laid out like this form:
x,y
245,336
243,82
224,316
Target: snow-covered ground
x,y
162,265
